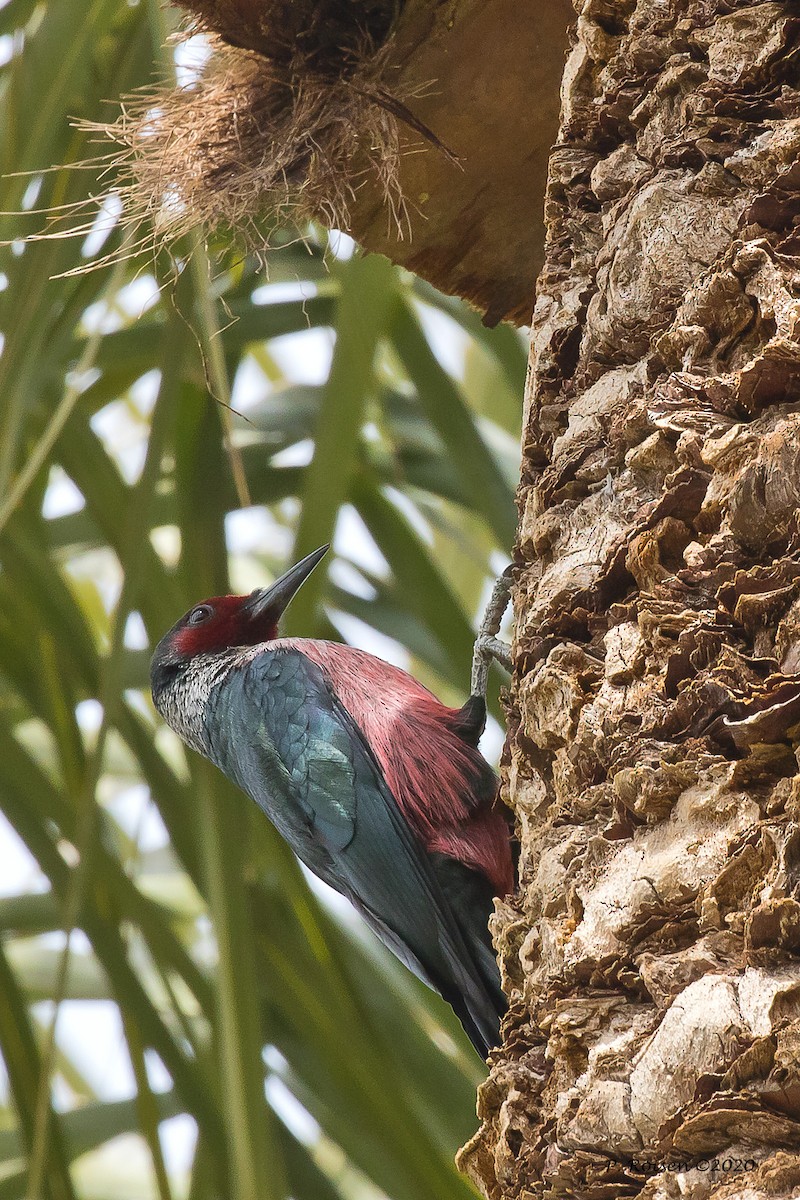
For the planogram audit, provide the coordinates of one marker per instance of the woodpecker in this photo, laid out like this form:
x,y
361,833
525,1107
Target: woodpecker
x,y
376,785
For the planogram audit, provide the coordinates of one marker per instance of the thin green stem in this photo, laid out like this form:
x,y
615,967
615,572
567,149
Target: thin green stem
x,y
214,358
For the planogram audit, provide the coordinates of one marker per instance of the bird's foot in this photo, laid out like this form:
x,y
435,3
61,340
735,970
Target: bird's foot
x,y
487,644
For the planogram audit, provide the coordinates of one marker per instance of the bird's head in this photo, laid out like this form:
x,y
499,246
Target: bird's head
x,y
224,622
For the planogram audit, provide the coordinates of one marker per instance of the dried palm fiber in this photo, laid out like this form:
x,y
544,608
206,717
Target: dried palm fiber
x,y
287,118
318,107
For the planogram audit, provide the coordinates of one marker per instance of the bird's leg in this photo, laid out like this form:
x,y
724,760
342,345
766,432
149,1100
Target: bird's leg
x,y
487,644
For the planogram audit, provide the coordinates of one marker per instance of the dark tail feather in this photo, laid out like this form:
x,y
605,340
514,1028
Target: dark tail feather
x,y
481,1003
475,1035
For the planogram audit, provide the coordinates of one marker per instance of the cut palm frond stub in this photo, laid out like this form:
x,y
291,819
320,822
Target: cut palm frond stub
x,y
292,111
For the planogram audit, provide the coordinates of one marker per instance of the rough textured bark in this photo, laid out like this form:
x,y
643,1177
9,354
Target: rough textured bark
x,y
653,1043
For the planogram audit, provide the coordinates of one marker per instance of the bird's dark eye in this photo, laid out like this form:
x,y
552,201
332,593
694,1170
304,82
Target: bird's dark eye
x,y
200,614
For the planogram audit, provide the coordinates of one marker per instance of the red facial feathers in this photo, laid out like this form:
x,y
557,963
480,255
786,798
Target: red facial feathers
x,y
227,626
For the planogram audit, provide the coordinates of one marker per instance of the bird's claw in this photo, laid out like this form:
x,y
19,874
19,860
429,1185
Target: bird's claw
x,y
487,644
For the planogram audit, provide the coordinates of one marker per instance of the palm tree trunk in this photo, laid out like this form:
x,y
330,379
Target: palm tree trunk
x,y
651,955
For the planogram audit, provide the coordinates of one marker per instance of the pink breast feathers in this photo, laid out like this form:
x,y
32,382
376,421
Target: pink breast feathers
x,y
437,779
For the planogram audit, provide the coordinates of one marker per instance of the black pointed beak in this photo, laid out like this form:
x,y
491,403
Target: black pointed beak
x,y
275,599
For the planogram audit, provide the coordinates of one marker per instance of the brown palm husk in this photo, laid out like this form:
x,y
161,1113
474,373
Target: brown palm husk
x,y
288,117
